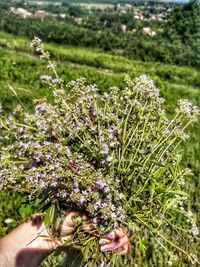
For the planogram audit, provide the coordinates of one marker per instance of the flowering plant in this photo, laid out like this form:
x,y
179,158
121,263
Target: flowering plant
x,y
115,157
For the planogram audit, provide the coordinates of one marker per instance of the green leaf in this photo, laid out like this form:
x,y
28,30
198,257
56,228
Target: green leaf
x,y
160,171
26,209
49,216
179,192
142,246
152,190
172,170
43,197
170,203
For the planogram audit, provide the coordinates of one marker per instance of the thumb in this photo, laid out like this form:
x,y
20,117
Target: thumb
x,y
67,224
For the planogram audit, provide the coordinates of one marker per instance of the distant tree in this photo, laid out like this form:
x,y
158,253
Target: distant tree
x,y
184,22
76,11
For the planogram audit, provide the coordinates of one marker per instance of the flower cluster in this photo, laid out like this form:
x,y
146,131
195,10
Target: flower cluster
x,y
114,156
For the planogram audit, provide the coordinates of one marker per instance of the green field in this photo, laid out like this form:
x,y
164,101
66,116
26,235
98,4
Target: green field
x,y
20,69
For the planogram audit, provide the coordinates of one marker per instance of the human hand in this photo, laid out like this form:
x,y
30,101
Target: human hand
x,y
117,240
67,225
31,242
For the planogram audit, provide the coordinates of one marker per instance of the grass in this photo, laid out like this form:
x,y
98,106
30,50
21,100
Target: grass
x,y
21,69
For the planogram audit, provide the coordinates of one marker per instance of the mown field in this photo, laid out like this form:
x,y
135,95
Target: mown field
x,y
20,70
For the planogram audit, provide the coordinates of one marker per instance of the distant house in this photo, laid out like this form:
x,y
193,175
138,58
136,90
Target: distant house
x,y
41,14
128,7
62,15
148,31
79,21
21,12
153,33
123,28
118,6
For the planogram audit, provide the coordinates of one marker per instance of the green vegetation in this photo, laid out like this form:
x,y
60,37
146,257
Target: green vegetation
x,y
95,65
176,39
85,36
20,69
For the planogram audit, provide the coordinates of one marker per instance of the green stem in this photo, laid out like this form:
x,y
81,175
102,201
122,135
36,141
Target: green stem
x,y
141,139
83,142
175,246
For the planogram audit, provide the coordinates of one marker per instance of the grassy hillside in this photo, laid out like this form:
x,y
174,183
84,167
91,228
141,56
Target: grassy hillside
x,y
20,69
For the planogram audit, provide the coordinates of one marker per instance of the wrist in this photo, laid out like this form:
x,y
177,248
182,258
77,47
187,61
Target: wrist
x,y
28,245
43,239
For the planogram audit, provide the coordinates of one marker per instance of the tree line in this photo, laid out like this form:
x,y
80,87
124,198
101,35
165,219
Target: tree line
x,y
177,40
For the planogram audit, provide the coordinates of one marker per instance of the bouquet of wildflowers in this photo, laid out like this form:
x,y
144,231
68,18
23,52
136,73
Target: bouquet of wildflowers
x,y
114,157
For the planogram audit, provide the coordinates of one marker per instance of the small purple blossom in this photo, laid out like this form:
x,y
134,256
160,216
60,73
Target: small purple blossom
x,y
100,184
81,200
76,190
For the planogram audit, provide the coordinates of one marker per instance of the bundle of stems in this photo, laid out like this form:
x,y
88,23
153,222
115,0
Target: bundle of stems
x,y
115,157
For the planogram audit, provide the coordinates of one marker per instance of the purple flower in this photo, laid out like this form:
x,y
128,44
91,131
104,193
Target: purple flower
x,y
101,184
54,184
97,204
121,217
113,215
75,184
84,192
81,199
76,190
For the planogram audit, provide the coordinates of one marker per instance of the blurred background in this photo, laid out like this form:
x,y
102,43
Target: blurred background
x,y
102,40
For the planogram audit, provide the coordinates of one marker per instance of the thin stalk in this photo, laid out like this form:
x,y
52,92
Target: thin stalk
x,y
168,252
140,189
176,227
173,140
98,123
155,149
171,122
49,62
3,125
132,135
83,142
15,93
175,246
171,143
26,126
141,138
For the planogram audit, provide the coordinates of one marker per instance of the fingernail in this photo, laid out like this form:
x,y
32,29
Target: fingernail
x,y
120,249
111,235
104,241
108,247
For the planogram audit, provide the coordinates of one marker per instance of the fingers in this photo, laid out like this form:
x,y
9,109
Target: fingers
x,y
124,250
89,227
108,247
116,234
122,242
118,241
115,245
68,219
121,249
66,230
67,225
